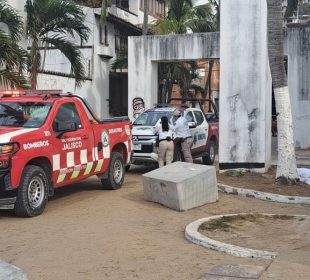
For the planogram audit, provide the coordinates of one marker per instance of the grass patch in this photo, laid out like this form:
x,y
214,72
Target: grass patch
x,y
226,223
234,173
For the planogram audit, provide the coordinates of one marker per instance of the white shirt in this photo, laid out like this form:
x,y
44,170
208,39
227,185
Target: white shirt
x,y
181,128
162,134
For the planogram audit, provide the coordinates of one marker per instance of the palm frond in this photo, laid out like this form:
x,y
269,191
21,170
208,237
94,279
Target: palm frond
x,y
292,6
178,8
170,27
121,61
10,79
12,20
64,17
72,53
49,22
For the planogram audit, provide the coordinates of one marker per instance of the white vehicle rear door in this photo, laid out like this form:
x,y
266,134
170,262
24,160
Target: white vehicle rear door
x,y
201,131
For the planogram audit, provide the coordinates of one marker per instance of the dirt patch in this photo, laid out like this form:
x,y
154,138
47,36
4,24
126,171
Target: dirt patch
x,y
87,233
262,182
284,233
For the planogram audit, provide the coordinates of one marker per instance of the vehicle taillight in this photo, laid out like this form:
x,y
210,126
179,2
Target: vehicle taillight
x,y
6,151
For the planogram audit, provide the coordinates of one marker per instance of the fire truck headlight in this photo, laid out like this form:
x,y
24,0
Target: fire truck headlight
x,y
9,148
6,151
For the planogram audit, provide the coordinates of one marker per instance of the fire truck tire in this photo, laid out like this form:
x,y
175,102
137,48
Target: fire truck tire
x,y
32,193
116,173
210,158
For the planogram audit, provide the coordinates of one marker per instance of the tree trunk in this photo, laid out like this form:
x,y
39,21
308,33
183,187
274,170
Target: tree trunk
x,y
286,167
207,91
145,17
35,63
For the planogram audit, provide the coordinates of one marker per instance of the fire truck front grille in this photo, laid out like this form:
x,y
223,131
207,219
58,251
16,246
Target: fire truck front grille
x,y
145,149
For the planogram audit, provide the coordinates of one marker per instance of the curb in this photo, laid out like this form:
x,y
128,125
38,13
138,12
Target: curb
x,y
263,195
11,272
192,234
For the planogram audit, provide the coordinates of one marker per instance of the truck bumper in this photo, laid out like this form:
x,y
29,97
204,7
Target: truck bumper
x,y
144,158
7,203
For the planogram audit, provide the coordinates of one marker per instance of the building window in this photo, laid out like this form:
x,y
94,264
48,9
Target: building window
x,y
121,39
156,8
123,4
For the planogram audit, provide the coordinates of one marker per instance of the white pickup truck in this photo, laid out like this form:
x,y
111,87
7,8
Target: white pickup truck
x,y
144,139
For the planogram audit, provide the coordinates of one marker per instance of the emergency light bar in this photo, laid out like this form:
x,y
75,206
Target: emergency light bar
x,y
29,92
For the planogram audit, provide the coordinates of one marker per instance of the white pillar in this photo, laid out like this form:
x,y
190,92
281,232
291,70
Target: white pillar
x,y
142,73
299,81
245,87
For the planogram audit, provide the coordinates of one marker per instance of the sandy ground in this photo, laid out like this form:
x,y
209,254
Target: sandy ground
x,y
262,182
88,233
292,233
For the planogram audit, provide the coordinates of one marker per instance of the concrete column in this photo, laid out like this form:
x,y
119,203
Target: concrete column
x,y
142,73
298,46
245,87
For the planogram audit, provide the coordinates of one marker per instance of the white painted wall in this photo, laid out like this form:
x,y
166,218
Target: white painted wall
x,y
245,86
299,81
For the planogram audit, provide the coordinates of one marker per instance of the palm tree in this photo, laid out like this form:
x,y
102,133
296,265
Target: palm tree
x,y
49,22
216,7
181,74
104,10
145,17
12,56
286,168
184,16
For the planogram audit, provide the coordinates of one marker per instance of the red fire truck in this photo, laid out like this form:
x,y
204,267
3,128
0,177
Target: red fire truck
x,y
48,140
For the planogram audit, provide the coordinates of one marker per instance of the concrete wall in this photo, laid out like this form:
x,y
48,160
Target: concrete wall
x,y
245,86
144,53
298,48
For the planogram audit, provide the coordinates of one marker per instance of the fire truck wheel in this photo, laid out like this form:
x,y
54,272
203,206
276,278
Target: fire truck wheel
x,y
116,173
210,158
32,193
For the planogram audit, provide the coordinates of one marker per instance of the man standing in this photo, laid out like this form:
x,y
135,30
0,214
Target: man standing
x,y
181,130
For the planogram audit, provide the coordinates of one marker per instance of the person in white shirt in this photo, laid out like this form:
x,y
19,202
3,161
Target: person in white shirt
x,y
166,146
181,131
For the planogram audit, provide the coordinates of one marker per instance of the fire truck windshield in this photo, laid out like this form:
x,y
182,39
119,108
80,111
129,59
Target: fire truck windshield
x,y
24,114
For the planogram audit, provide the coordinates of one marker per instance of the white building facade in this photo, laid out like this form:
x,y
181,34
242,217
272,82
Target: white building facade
x,y
98,53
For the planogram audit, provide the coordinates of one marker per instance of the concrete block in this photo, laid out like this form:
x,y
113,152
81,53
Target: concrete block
x,y
181,185
11,272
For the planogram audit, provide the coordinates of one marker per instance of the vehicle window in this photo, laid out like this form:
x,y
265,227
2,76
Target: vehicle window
x,y
68,113
24,114
199,117
151,118
189,117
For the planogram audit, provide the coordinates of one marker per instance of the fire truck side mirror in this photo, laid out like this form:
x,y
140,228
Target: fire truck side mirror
x,y
63,127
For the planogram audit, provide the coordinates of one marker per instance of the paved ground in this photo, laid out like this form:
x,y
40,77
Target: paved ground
x,y
302,156
88,233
